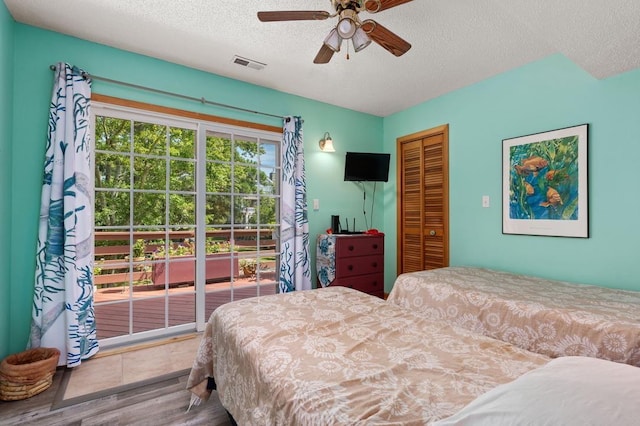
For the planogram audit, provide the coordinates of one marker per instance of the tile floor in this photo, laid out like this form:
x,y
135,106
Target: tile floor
x,y
118,367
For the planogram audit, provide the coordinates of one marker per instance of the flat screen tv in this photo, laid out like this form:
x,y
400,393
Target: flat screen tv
x,y
366,167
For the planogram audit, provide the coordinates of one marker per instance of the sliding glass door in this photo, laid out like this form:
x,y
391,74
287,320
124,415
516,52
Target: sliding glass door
x,y
186,218
241,211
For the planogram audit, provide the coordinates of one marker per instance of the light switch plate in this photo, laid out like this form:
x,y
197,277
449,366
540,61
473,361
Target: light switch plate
x,y
316,204
485,201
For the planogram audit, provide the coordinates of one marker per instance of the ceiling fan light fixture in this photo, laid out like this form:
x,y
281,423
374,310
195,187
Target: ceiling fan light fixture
x,y
360,40
333,40
348,23
346,28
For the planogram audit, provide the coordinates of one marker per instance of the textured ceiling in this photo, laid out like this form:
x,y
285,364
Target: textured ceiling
x,y
455,42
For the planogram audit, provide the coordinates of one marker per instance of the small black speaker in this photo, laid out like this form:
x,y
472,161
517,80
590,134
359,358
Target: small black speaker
x,y
335,224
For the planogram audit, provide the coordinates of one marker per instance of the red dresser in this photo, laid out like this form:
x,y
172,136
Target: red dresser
x,y
355,261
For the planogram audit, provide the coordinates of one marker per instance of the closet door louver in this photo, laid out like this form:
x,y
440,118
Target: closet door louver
x,y
434,255
423,197
411,214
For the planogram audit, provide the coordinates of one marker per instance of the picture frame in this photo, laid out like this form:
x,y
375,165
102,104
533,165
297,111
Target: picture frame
x,y
545,183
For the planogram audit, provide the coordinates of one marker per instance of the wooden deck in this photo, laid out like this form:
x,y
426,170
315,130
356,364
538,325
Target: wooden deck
x,y
150,310
147,305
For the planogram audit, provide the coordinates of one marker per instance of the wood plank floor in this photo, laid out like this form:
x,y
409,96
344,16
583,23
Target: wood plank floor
x,y
164,402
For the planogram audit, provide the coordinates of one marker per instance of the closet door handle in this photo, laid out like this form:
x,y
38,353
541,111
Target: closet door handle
x,y
432,233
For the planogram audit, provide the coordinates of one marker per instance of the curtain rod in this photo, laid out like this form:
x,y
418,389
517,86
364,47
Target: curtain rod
x,y
177,95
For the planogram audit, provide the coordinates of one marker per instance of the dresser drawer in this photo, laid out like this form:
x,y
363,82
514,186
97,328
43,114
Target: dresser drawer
x,y
359,265
372,283
359,246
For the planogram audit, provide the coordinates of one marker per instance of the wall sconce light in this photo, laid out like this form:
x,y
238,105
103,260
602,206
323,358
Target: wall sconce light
x,y
326,143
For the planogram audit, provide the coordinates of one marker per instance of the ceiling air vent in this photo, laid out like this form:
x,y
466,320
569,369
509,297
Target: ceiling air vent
x,y
250,63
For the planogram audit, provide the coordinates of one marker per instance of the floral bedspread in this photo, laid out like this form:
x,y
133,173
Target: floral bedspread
x,y
549,317
336,356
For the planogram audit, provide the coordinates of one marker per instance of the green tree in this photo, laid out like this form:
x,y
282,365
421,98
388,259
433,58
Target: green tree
x,y
152,158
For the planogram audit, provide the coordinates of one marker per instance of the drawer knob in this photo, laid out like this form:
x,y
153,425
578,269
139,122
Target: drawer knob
x,y
375,246
374,264
350,267
350,248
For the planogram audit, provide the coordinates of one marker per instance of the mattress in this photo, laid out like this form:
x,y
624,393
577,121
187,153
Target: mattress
x,y
549,317
338,356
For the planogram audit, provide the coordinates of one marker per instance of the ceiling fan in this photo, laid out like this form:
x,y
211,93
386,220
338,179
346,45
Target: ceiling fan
x,y
349,26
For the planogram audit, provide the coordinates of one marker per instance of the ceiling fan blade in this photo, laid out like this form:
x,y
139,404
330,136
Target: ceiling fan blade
x,y
293,15
385,38
324,55
375,6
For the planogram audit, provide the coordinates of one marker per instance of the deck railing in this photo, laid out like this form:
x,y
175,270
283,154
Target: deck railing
x,y
114,263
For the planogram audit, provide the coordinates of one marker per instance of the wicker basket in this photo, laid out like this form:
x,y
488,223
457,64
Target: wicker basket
x,y
27,373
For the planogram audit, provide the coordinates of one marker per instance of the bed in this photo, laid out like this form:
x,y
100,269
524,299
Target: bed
x,y
549,317
340,356
336,356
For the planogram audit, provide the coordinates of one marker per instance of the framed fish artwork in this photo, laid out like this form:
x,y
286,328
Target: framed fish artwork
x,y
544,183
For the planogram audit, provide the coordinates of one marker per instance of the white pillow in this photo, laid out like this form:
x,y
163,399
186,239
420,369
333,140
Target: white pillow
x,y
567,391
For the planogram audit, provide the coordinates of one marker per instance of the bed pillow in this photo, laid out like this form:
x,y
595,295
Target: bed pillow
x,y
567,391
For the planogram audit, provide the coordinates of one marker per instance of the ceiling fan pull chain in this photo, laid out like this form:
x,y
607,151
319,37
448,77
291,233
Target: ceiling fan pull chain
x,y
347,49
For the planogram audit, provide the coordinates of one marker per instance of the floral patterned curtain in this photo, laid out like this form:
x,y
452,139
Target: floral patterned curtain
x,y
63,315
295,267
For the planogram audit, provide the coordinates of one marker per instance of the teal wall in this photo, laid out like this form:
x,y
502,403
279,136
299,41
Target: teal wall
x,y
6,124
36,49
545,95
548,94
